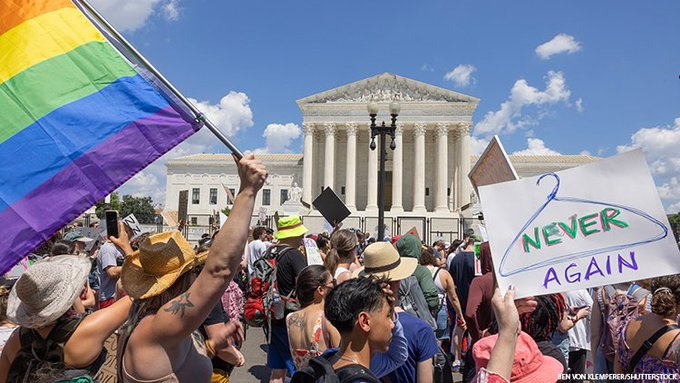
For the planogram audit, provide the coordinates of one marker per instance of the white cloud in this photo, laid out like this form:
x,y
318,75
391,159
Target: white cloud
x,y
231,115
660,146
509,117
561,43
130,15
278,138
461,75
477,145
579,105
426,68
171,10
536,147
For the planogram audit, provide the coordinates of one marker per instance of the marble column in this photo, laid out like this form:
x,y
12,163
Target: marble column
x,y
372,191
307,162
419,169
398,170
464,163
351,166
329,155
442,168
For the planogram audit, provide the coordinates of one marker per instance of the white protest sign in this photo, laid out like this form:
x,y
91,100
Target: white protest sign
x,y
223,219
131,222
312,250
598,224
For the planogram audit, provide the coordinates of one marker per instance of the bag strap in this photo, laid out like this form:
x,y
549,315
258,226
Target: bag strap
x,y
434,277
646,345
355,372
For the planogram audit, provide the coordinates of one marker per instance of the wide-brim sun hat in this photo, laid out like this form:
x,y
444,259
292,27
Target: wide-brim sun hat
x,y
290,227
159,262
47,290
382,260
529,366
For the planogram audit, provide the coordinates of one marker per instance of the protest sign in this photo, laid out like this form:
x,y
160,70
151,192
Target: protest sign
x,y
597,224
331,207
492,167
313,254
132,222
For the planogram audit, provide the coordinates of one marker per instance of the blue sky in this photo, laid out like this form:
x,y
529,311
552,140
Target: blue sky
x,y
595,77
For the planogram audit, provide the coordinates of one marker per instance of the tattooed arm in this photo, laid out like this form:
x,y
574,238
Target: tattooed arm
x,y
177,319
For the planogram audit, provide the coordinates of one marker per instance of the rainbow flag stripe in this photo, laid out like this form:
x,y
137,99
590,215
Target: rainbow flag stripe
x,y
76,121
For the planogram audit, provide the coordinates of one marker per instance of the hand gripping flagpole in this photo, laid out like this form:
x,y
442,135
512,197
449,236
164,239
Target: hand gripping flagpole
x,y
199,116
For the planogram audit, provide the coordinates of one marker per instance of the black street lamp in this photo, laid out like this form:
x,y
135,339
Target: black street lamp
x,y
382,130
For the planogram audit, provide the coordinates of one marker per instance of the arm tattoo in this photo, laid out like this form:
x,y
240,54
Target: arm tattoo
x,y
179,305
296,320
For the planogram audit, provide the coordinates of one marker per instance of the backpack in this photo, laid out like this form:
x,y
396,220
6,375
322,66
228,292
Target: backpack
x,y
320,370
616,309
413,301
262,296
441,368
37,354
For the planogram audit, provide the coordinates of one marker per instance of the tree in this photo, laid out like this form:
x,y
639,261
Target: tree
x,y
141,207
674,220
226,211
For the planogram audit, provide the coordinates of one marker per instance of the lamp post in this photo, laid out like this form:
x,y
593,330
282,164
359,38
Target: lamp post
x,y
382,130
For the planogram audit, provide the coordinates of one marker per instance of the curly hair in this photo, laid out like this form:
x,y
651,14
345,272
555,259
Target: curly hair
x,y
666,294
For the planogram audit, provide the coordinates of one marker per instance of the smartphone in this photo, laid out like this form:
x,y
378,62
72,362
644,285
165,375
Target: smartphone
x,y
111,223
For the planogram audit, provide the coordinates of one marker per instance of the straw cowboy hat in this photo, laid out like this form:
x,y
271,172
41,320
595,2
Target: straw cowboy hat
x,y
290,227
381,259
47,290
160,260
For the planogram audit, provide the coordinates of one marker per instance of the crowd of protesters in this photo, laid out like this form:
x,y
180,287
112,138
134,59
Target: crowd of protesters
x,y
398,310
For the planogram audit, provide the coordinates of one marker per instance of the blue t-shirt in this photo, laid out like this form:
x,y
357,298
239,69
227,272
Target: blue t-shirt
x,y
422,345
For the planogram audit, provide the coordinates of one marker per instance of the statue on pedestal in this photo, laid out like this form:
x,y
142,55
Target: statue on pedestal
x,y
295,193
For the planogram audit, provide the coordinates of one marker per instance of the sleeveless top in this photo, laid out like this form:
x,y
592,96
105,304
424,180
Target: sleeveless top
x,y
649,364
339,271
435,277
319,344
199,369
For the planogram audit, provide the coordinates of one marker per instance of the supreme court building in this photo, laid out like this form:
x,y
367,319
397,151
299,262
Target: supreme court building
x,y
426,175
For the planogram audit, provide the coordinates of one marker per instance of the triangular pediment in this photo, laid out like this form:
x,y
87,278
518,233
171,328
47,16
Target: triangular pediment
x,y
387,87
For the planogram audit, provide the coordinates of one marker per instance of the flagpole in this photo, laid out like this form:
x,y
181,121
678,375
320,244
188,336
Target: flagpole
x,y
199,116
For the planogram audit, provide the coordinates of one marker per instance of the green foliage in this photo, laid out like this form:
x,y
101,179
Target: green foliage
x,y
226,211
142,207
674,220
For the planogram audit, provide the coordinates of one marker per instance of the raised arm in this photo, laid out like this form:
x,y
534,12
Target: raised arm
x,y
185,313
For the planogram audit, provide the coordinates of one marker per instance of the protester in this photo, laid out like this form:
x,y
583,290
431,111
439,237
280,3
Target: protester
x,y
289,264
452,251
579,335
549,317
342,255
659,330
446,290
309,333
160,341
479,310
324,245
48,344
6,325
383,261
78,241
511,355
109,265
257,247
362,312
462,270
409,247
228,357
61,248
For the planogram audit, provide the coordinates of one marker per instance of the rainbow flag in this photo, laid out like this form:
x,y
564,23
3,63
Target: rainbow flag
x,y
76,121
